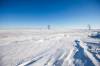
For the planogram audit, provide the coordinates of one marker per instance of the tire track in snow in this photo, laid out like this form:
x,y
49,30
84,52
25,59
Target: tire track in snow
x,y
58,37
57,58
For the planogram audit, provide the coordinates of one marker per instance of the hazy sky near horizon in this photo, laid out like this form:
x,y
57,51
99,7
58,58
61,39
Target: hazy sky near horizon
x,y
57,13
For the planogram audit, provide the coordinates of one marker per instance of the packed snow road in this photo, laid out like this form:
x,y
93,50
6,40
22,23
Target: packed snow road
x,y
44,48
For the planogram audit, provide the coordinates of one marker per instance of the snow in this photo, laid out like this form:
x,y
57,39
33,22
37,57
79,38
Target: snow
x,y
45,48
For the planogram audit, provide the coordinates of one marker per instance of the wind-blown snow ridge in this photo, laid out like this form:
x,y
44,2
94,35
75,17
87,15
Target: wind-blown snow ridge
x,y
90,55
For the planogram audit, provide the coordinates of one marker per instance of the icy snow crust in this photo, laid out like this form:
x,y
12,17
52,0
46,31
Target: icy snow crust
x,y
46,48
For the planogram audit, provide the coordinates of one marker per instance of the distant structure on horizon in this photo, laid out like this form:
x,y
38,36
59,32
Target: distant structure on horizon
x,y
49,27
89,27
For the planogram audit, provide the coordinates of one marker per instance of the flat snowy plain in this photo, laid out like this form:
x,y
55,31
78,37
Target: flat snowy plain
x,y
41,47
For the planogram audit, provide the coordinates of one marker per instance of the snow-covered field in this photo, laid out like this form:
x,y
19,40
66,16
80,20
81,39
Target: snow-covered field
x,y
31,47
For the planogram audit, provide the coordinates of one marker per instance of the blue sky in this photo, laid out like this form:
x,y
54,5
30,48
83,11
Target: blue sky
x,y
57,13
